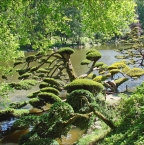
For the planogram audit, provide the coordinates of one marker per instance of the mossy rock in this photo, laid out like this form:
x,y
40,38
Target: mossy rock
x,y
100,78
93,56
66,50
33,95
50,90
52,81
85,62
49,97
20,112
85,84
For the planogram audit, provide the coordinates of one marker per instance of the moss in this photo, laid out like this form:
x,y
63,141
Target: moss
x,y
84,84
94,55
135,72
43,85
50,90
42,141
91,75
49,97
112,67
18,62
66,50
120,81
37,102
114,71
33,69
22,71
25,76
40,53
51,81
33,95
42,70
85,62
98,64
17,105
30,58
20,112
91,50
100,78
25,84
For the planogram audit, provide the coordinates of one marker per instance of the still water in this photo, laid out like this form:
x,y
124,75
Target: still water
x,y
108,56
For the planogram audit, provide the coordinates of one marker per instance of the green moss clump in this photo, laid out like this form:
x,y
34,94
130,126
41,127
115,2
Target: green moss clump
x,y
98,64
66,50
93,56
114,71
22,71
17,105
42,70
100,78
37,102
119,81
85,84
25,84
91,50
50,90
20,112
52,81
43,85
91,75
42,141
49,97
85,62
33,95
135,72
30,58
18,62
25,76
112,67
33,69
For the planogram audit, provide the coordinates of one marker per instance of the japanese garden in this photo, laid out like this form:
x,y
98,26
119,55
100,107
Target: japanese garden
x,y
72,67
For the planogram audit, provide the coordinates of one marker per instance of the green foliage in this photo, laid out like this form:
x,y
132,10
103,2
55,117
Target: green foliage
x,y
75,99
85,84
25,84
98,64
25,76
43,141
120,81
85,62
51,81
17,105
66,50
130,115
49,97
93,55
100,78
33,95
50,90
37,103
135,72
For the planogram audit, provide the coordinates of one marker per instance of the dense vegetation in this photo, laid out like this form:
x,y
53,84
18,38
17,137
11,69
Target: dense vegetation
x,y
60,23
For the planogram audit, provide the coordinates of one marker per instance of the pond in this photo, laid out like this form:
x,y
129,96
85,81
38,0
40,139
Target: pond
x,y
108,56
